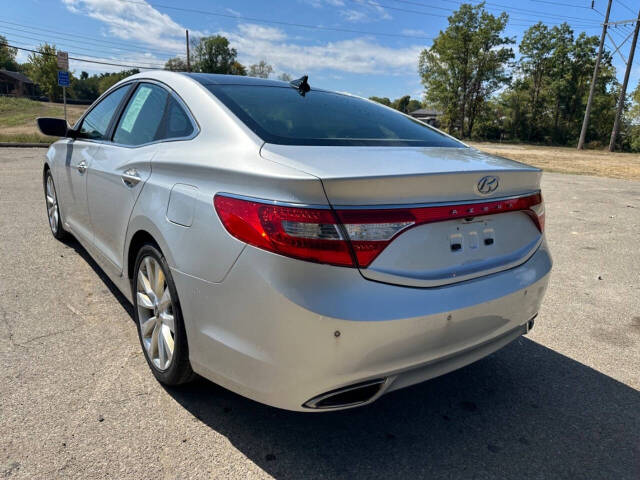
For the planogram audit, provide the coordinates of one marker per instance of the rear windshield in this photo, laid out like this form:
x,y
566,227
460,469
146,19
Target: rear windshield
x,y
281,115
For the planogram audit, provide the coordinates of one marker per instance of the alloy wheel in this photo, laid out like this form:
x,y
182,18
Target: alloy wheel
x,y
52,205
155,313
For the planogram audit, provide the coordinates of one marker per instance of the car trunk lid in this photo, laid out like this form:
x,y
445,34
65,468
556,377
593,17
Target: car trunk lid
x,y
476,210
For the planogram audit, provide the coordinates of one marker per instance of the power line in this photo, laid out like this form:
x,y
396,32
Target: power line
x,y
594,78
429,14
561,4
67,42
84,38
498,6
274,22
147,64
84,59
625,6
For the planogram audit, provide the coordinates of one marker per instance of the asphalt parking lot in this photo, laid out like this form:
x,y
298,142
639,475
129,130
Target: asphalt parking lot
x,y
77,399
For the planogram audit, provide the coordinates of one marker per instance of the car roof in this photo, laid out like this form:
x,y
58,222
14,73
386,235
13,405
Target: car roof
x,y
218,79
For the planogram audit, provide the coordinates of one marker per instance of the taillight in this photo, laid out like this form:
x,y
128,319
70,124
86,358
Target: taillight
x,y
306,233
317,234
399,219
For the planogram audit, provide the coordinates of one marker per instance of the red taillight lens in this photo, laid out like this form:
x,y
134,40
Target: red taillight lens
x,y
306,233
316,234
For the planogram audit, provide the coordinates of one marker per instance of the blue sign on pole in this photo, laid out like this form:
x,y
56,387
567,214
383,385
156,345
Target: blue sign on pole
x,y
63,78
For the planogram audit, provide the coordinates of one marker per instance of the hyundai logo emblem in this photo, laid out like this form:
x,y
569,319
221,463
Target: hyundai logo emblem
x,y
488,184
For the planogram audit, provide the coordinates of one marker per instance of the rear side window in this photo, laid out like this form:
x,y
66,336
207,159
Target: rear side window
x,y
152,114
175,123
96,123
281,115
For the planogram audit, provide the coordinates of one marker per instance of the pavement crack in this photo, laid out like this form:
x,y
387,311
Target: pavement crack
x,y
47,335
9,331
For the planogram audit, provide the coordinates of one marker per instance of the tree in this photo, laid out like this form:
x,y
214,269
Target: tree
x,y
546,100
536,50
107,80
631,124
214,55
176,64
633,114
85,87
401,103
260,70
7,55
466,64
43,70
285,77
237,69
413,105
382,100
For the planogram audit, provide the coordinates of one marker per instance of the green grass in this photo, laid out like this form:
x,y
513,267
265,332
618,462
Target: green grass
x,y
25,138
16,112
19,115
20,111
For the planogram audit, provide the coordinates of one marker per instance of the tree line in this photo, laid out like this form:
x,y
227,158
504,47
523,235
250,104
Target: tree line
x,y
214,54
470,74
211,54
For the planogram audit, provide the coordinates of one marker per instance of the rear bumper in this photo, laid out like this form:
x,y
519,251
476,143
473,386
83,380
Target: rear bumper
x,y
283,331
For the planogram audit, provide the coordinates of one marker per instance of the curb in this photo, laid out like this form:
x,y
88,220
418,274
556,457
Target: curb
x,y
25,145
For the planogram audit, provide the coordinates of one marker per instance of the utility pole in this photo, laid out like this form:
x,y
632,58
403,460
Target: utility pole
x,y
188,57
592,88
623,90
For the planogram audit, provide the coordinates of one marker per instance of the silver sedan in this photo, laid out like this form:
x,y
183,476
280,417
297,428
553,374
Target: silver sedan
x,y
308,249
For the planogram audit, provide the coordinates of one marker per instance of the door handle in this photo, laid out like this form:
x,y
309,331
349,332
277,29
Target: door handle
x,y
130,177
82,166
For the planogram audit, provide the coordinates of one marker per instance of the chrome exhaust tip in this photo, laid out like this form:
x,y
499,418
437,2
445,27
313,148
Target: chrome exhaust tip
x,y
530,324
351,396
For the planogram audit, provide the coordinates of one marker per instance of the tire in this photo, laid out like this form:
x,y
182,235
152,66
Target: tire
x,y
152,312
52,206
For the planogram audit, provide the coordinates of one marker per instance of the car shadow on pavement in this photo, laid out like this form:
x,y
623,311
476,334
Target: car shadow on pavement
x,y
71,242
523,412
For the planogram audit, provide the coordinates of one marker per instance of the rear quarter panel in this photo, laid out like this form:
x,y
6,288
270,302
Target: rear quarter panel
x,y
202,168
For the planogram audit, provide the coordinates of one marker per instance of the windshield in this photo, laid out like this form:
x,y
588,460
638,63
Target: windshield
x,y
281,115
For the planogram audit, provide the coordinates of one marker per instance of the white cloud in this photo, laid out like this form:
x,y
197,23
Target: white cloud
x,y
414,32
367,11
358,55
351,15
147,26
133,21
233,12
364,11
322,3
269,34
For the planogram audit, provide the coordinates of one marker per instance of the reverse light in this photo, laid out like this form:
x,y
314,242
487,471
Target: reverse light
x,y
334,237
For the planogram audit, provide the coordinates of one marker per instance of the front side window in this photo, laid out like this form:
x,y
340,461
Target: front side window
x,y
152,114
281,115
96,123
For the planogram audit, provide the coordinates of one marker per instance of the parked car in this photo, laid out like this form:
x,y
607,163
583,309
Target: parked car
x,y
308,249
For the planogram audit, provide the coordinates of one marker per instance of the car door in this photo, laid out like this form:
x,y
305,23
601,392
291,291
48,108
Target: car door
x,y
80,153
121,167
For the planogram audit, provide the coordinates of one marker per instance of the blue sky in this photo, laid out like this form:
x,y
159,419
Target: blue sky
x,y
365,47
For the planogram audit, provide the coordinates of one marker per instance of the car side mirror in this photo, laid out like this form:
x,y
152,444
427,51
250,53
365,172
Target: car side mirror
x,y
54,127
